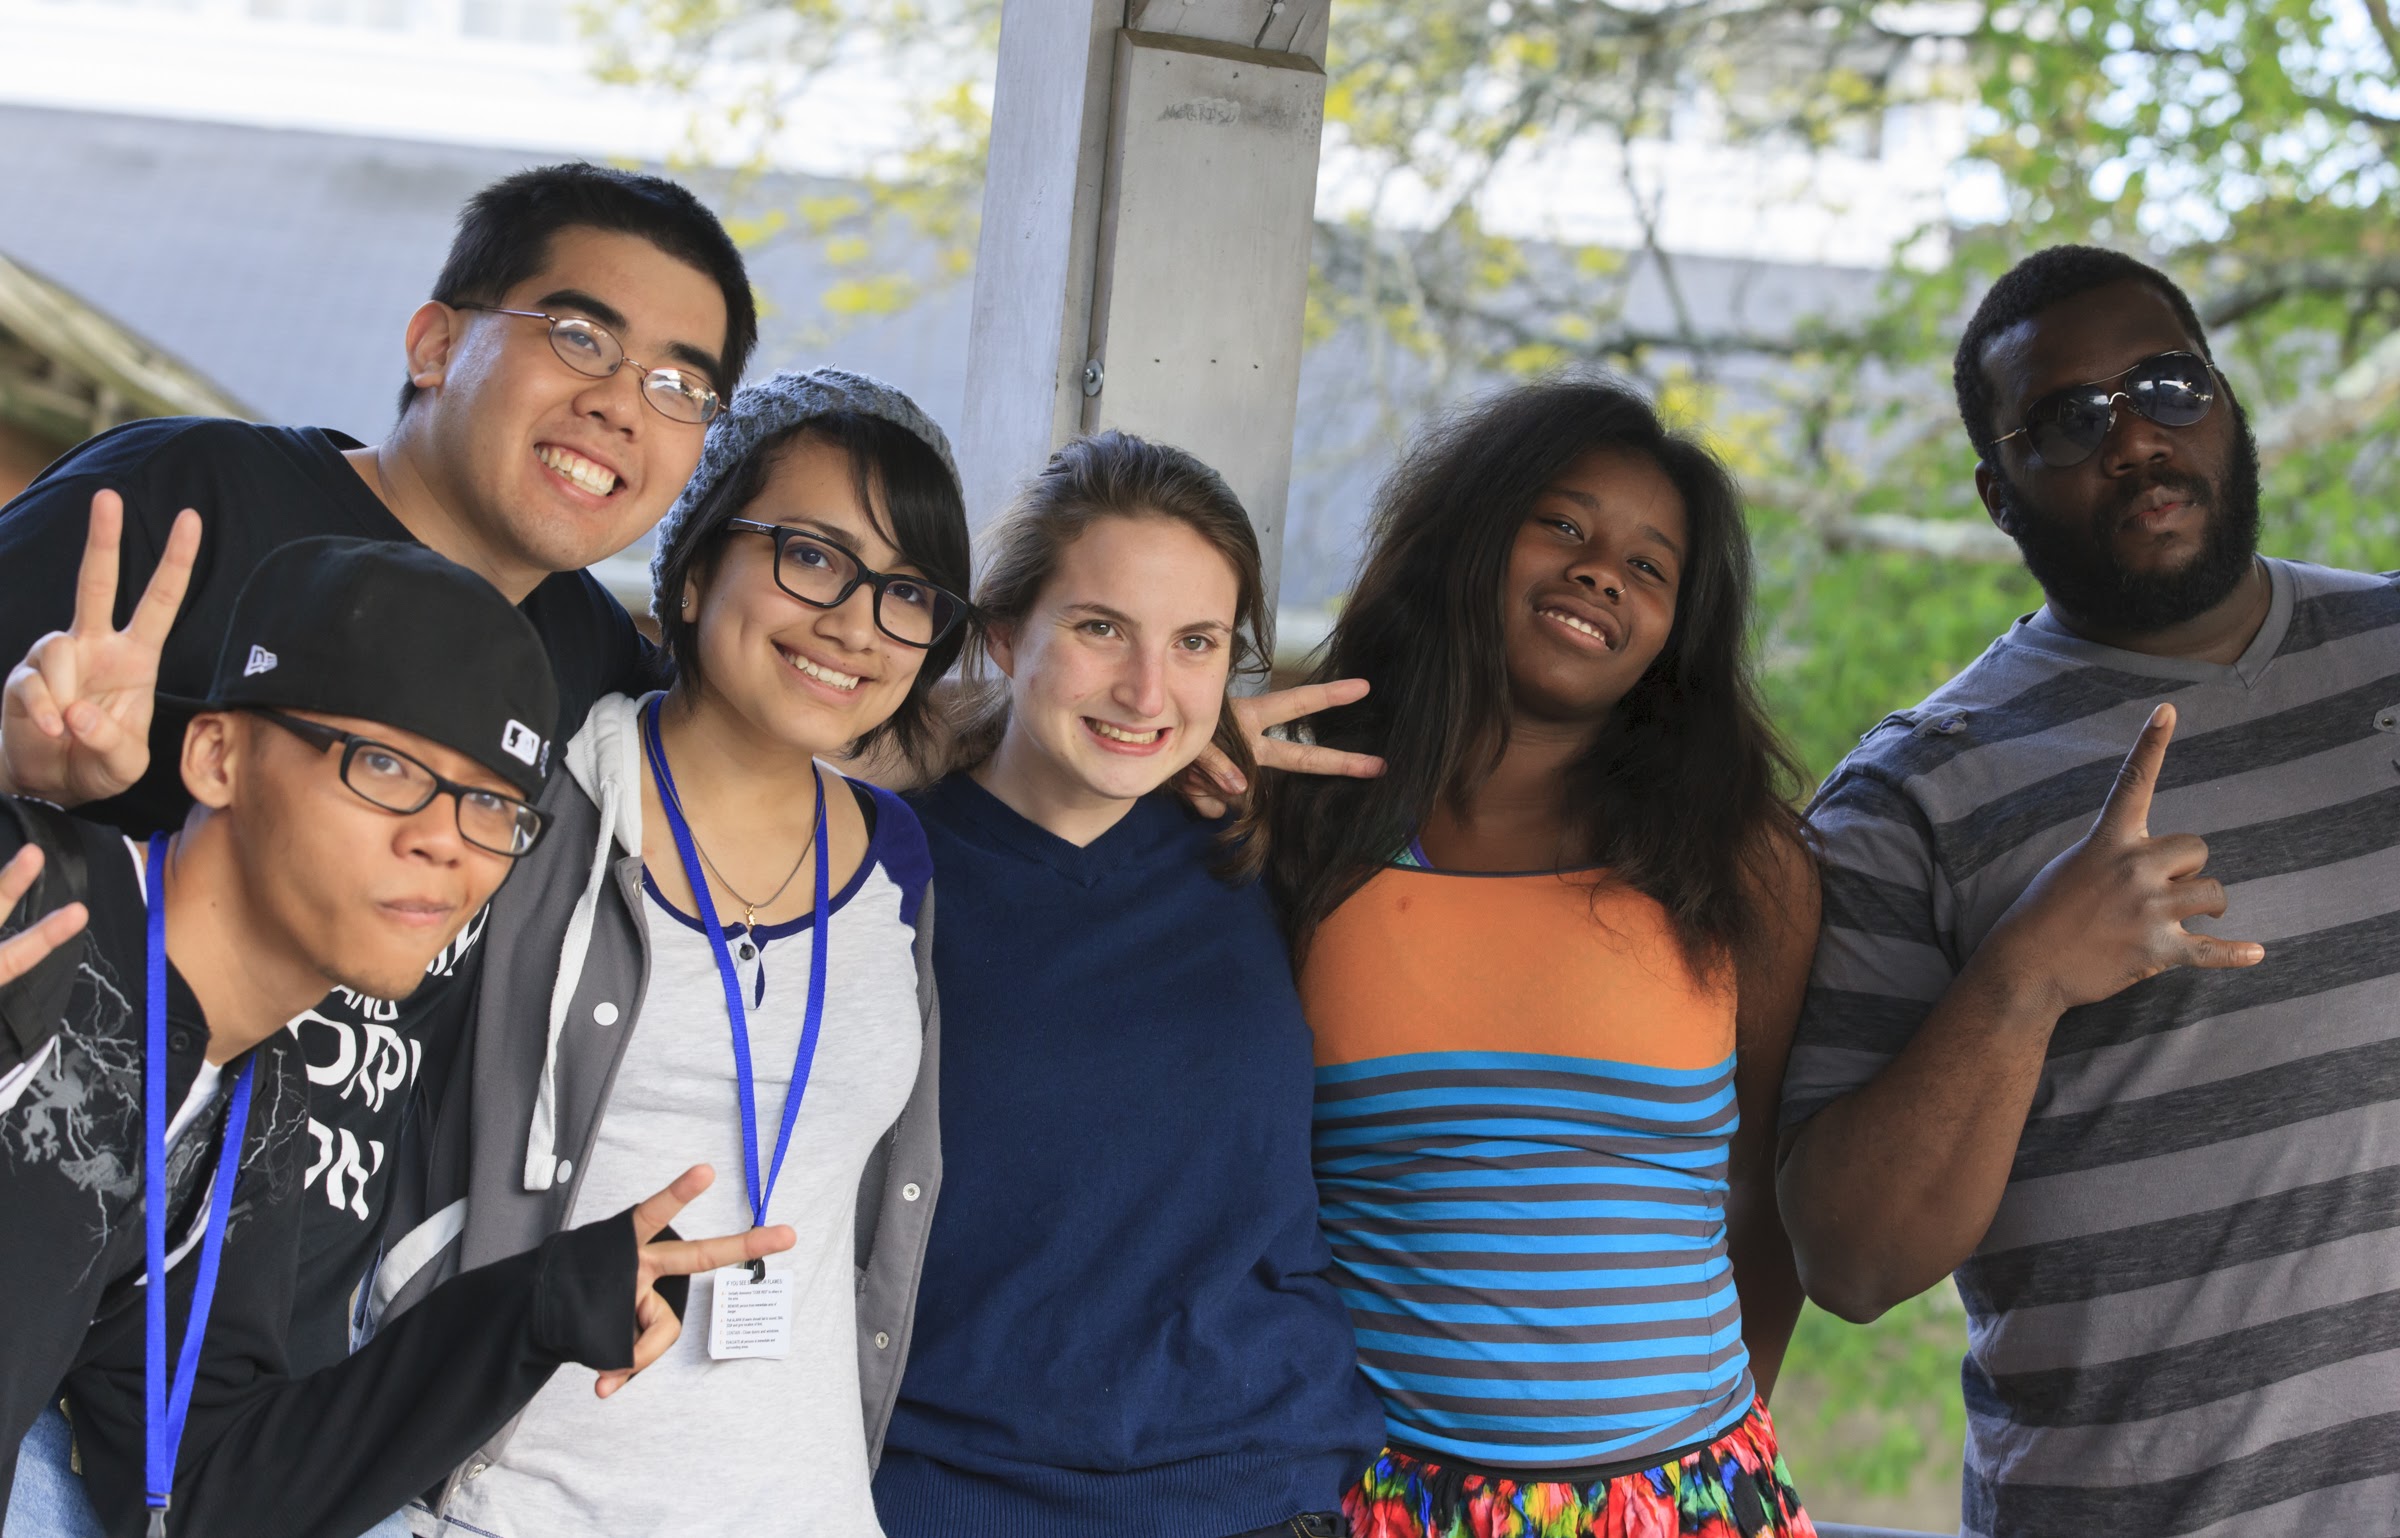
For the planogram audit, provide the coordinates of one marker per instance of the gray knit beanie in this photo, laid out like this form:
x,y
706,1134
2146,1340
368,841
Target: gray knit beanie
x,y
774,406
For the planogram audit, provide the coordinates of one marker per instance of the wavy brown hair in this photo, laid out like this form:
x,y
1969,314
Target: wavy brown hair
x,y
1116,475
1684,792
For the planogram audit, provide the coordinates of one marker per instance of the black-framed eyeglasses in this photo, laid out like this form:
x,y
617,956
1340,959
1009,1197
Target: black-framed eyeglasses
x,y
591,349
384,776
2067,427
823,575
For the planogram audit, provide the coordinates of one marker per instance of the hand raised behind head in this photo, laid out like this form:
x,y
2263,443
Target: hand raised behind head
x,y
1212,784
2109,911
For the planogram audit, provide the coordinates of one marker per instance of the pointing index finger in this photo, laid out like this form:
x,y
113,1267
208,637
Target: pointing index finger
x,y
2126,812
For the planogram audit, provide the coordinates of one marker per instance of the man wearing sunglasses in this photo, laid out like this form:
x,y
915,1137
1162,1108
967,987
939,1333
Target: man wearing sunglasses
x,y
558,386
2139,1093
360,768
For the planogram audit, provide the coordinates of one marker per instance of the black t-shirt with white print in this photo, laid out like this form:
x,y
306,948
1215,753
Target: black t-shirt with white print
x,y
256,488
267,1452
71,1139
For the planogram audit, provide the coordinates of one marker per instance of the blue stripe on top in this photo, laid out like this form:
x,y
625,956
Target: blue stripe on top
x,y
1532,1249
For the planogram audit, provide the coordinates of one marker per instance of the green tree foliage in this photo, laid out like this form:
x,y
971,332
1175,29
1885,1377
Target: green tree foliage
x,y
1871,1419
2251,149
2251,146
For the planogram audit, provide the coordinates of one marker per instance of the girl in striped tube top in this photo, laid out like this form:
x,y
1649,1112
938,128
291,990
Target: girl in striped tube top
x,y
1551,961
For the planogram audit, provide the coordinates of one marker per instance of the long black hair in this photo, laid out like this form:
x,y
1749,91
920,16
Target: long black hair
x,y
1681,797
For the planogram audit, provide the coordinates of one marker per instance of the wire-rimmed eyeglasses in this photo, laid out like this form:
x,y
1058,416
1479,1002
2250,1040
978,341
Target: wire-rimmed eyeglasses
x,y
591,349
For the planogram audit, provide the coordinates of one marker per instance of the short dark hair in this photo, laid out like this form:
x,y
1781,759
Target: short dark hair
x,y
2035,284
900,479
504,237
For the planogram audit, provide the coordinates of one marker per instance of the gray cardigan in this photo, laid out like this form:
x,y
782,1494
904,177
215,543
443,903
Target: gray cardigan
x,y
568,949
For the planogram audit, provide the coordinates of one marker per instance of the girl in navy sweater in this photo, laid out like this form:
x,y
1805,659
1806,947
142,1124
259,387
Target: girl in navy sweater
x,y
1124,1328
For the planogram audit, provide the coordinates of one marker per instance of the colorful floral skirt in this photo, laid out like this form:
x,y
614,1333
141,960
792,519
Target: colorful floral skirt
x,y
1735,1487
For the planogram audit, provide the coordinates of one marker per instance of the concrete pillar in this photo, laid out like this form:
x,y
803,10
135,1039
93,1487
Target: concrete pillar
x,y
1147,217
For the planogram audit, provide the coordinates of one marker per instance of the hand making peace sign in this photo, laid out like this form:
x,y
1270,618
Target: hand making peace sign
x,y
75,721
1212,782
679,1257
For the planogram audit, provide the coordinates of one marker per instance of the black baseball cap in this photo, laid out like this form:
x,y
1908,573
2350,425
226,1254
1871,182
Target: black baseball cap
x,y
391,632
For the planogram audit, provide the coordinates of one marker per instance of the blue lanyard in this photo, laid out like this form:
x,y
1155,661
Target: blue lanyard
x,y
165,1406
744,1081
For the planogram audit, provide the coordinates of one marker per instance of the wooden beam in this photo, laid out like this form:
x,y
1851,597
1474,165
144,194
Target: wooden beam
x,y
128,376
1147,218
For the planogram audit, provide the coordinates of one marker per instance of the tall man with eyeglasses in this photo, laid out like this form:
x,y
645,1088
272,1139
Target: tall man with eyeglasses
x,y
2139,1093
559,382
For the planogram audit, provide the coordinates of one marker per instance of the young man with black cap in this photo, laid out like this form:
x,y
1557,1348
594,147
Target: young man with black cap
x,y
558,383
362,771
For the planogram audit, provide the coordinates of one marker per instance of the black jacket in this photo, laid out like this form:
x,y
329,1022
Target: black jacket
x,y
264,1453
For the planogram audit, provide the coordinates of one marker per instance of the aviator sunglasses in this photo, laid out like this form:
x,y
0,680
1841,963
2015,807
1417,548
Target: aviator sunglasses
x,y
2066,427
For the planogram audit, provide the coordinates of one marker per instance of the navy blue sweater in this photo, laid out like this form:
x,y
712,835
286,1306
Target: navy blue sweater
x,y
1124,1329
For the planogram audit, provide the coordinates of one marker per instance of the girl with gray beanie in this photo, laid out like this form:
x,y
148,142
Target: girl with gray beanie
x,y
721,953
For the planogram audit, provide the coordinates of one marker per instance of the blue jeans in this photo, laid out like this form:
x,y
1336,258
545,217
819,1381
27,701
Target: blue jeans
x,y
48,1500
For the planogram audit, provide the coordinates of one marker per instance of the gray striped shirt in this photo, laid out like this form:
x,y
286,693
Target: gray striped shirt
x,y
2186,1316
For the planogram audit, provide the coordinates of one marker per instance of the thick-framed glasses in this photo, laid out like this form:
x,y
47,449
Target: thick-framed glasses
x,y
2067,427
388,778
592,349
823,575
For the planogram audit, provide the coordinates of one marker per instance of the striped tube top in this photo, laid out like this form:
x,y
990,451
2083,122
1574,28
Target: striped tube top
x,y
1524,1103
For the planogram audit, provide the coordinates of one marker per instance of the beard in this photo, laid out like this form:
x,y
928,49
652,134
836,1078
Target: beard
x,y
2081,573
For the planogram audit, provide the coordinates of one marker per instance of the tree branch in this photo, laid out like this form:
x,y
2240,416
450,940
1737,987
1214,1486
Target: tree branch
x,y
2356,276
1946,539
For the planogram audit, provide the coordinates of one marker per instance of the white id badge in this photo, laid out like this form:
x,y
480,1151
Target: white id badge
x,y
750,1317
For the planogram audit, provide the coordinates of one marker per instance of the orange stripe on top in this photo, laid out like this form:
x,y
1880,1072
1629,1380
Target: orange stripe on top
x,y
1430,961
